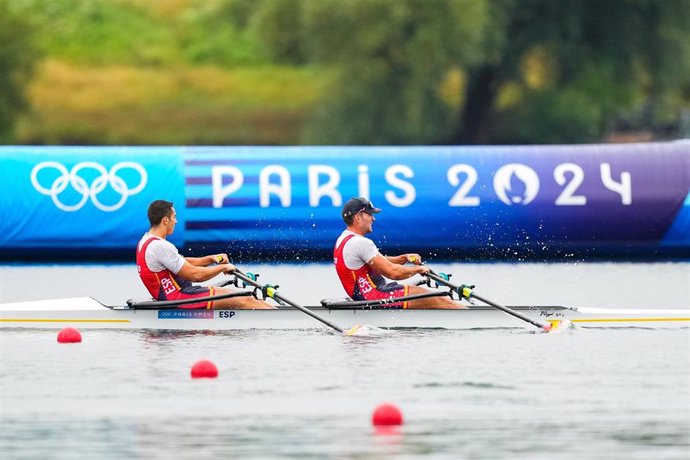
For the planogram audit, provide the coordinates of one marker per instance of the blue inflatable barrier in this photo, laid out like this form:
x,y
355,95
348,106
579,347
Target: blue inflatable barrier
x,y
81,199
529,203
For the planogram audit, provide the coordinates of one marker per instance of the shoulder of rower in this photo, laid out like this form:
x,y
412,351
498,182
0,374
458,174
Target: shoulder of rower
x,y
360,241
160,245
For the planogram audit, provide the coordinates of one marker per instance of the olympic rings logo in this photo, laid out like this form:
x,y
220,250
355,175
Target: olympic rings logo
x,y
80,185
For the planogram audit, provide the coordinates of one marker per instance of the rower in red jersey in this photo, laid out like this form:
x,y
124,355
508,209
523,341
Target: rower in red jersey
x,y
363,270
169,276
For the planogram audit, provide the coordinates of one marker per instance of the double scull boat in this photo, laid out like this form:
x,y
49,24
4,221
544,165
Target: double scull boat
x,y
89,313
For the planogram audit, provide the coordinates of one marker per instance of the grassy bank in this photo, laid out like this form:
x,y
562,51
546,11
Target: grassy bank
x,y
171,105
166,72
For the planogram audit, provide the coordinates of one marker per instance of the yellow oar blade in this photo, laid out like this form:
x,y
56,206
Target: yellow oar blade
x,y
559,326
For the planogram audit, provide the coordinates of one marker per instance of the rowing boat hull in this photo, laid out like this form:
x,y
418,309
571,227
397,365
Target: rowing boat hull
x,y
88,313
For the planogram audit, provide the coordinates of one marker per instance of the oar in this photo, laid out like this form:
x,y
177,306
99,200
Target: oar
x,y
466,292
272,292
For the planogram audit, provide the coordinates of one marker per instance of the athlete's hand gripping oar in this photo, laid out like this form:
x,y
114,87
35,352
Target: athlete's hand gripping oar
x,y
466,292
272,292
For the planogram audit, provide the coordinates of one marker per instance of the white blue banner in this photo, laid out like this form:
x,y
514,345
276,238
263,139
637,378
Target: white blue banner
x,y
81,198
284,202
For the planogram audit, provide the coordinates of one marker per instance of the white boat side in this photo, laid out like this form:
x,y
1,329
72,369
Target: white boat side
x,y
88,313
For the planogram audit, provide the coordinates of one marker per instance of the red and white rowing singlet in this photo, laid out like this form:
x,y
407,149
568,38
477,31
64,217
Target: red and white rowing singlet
x,y
162,284
360,281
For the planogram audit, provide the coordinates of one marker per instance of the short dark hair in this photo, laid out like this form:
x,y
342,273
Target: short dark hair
x,y
158,210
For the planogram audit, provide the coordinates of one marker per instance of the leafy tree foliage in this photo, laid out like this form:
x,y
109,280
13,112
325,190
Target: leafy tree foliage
x,y
388,61
17,58
384,71
574,67
536,71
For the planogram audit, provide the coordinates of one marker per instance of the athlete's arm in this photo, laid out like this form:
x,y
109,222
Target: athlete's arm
x,y
208,260
395,271
402,259
198,274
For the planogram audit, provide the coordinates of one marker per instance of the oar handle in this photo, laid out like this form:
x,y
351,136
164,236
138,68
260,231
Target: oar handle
x,y
464,291
272,292
467,293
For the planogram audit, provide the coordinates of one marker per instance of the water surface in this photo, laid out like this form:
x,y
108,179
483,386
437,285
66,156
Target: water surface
x,y
574,284
463,394
510,393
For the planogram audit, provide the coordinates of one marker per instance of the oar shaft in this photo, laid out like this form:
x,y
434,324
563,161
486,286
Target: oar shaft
x,y
516,314
508,310
308,312
277,296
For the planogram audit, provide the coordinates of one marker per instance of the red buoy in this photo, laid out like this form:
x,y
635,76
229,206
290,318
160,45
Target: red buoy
x,y
387,415
204,369
69,335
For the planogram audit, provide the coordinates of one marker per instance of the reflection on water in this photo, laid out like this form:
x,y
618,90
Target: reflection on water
x,y
310,393
198,437
463,394
340,437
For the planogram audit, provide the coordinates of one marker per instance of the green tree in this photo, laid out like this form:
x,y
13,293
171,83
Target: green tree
x,y
387,60
573,67
537,71
17,59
